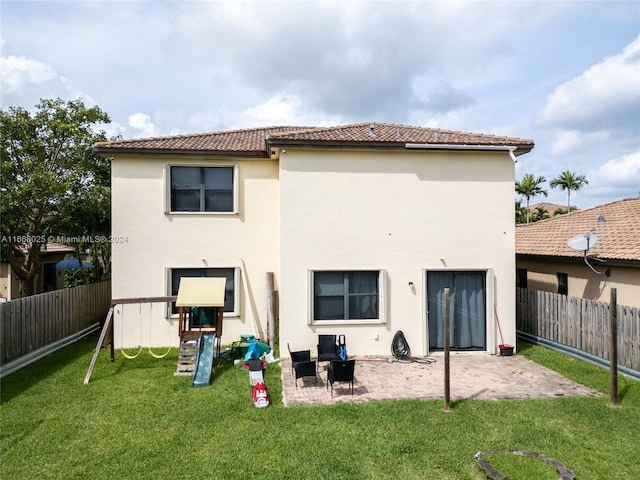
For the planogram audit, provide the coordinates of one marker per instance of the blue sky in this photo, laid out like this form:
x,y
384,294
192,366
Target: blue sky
x,y
565,74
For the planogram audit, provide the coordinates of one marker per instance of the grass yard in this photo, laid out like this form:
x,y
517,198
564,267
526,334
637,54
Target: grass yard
x,y
135,420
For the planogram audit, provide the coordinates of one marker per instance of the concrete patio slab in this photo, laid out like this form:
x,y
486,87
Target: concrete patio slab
x,y
480,376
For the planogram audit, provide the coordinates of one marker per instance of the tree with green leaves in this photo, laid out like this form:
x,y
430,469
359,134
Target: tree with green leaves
x,y
529,187
521,212
540,213
569,181
52,183
563,211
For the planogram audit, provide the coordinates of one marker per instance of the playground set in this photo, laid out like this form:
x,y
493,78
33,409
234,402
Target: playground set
x,y
200,303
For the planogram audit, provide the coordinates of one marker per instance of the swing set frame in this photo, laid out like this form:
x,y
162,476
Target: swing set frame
x,y
193,292
106,338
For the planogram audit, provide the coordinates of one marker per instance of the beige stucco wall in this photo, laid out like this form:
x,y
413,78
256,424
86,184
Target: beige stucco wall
x,y
157,241
583,283
403,212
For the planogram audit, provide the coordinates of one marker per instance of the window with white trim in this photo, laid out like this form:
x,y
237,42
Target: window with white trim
x,y
347,295
230,304
202,189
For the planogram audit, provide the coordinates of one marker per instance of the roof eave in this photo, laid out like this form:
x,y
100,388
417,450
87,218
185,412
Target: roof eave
x,y
181,152
377,145
297,143
515,148
610,262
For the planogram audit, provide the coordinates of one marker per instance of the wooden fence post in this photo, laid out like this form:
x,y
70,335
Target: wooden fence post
x,y
613,350
270,309
447,392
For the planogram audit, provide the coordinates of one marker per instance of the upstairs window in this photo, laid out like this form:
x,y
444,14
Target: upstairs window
x,y
202,189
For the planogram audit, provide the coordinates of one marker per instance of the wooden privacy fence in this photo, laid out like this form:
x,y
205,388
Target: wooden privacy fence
x,y
579,323
30,323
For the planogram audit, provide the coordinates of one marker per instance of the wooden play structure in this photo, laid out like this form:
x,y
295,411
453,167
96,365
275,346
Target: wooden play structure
x,y
200,303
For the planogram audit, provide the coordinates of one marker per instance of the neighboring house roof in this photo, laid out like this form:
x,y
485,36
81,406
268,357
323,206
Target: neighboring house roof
x,y
258,141
51,248
57,248
616,226
549,207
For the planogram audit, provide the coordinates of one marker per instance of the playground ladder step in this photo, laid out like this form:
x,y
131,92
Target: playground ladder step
x,y
187,355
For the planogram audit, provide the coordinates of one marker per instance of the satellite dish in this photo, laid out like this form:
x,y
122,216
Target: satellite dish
x,y
582,242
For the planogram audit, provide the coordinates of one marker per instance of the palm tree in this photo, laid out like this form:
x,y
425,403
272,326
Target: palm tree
x,y
521,213
530,187
569,181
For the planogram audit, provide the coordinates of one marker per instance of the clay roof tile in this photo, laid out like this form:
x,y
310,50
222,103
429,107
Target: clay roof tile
x,y
256,141
616,226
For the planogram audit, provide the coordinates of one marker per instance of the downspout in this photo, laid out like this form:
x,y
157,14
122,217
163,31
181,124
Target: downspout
x,y
447,146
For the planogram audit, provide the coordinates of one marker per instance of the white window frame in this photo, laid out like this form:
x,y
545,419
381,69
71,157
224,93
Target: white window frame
x,y
382,298
167,184
236,287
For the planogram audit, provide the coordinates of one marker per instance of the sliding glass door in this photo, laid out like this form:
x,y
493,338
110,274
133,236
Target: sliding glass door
x,y
467,309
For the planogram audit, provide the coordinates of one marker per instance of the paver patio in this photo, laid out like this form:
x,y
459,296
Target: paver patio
x,y
479,376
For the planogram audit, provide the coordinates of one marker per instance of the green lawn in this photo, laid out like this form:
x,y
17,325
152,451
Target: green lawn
x,y
136,420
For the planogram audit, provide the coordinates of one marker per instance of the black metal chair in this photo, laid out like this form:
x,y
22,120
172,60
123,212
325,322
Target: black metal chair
x,y
306,369
327,348
298,356
341,371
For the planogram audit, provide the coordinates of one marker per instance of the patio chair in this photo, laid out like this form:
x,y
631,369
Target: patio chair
x,y
327,348
298,356
341,371
306,369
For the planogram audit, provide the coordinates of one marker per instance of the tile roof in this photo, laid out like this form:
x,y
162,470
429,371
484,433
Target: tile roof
x,y
616,226
58,248
550,208
257,141
250,142
51,247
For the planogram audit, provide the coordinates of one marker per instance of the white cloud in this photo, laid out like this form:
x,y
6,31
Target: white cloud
x,y
572,141
114,130
142,124
278,110
16,71
24,81
623,171
454,120
283,109
605,96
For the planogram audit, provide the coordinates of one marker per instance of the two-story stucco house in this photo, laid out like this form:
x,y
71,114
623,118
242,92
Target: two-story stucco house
x,y
363,226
